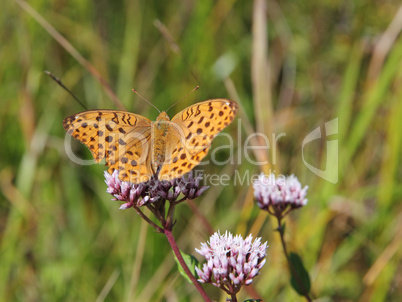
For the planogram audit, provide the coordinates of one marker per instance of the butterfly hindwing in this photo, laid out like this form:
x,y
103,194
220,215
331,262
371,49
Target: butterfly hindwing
x,y
134,160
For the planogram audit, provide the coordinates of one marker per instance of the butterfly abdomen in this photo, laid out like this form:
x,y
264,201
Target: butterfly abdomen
x,y
158,141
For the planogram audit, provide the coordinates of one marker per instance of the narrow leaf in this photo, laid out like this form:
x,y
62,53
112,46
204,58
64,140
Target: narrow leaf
x,y
191,263
300,279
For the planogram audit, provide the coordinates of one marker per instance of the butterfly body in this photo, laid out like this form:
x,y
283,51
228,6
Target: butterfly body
x,y
160,130
140,149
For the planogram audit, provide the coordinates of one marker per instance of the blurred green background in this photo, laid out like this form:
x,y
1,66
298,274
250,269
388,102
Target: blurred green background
x,y
292,65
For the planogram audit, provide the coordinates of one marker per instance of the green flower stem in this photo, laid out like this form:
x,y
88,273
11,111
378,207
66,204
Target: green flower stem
x,y
280,229
149,221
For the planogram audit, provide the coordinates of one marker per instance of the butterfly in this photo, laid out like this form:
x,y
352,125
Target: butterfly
x,y
140,149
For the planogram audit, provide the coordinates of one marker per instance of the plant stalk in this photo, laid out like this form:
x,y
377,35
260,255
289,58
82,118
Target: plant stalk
x,y
281,233
179,257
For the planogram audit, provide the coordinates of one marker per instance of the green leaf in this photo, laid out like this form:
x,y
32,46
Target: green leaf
x,y
191,263
253,300
300,279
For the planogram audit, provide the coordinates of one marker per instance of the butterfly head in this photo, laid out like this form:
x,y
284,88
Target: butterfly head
x,y
163,117
162,123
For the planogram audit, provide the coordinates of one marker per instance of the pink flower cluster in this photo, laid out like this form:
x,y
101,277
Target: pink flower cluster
x,y
231,261
279,193
132,194
146,193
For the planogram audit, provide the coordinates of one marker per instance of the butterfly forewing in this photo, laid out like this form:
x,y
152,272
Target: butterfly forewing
x,y
191,132
121,137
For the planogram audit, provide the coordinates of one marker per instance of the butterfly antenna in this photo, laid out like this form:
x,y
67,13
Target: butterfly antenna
x,y
184,97
136,92
57,80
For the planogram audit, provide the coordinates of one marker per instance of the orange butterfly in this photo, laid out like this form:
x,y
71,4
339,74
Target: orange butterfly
x,y
139,149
